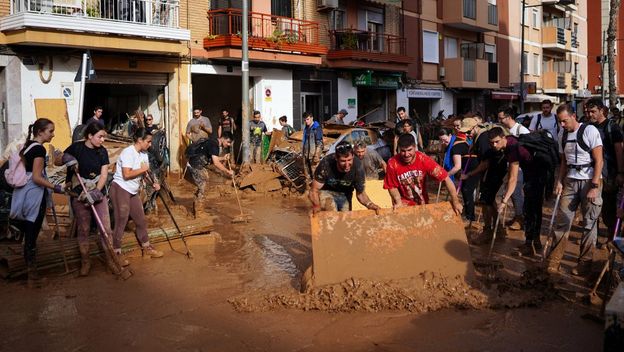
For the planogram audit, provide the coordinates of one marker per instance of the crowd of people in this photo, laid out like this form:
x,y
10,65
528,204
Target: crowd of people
x,y
582,162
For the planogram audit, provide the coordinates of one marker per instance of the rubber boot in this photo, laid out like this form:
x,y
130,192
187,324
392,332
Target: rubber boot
x,y
34,281
85,261
555,256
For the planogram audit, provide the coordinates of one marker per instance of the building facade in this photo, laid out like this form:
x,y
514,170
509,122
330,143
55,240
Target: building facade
x,y
136,48
597,23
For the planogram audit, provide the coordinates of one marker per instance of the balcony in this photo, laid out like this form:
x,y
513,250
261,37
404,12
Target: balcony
x,y
557,82
153,19
575,84
271,38
471,73
360,49
472,15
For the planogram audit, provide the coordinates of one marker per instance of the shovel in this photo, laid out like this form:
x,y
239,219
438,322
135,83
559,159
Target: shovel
x,y
550,227
242,217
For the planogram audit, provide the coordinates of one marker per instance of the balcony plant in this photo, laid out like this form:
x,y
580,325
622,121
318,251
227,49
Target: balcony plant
x,y
349,41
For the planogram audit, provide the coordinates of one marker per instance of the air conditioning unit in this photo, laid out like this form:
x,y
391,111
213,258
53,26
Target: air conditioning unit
x,y
326,5
442,72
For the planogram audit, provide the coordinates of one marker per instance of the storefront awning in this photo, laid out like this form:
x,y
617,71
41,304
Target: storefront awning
x,y
538,98
504,96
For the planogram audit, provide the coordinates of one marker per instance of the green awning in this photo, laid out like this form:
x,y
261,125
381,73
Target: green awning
x,y
388,2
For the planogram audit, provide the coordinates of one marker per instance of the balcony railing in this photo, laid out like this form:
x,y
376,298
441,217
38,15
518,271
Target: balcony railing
x,y
575,84
265,32
470,9
492,14
162,13
575,43
561,81
469,70
371,42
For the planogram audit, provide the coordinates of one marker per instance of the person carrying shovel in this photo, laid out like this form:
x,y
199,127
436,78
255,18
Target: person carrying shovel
x,y
200,156
406,176
132,165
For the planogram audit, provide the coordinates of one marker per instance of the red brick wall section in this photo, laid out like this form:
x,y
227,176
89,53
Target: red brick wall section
x,y
594,46
414,36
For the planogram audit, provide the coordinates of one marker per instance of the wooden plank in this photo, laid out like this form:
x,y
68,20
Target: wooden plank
x,y
396,244
56,110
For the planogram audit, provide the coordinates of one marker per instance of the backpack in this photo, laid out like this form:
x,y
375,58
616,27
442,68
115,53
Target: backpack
x,y
580,143
15,175
538,125
544,152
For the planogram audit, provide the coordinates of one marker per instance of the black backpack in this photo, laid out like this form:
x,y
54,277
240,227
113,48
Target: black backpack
x,y
544,151
538,125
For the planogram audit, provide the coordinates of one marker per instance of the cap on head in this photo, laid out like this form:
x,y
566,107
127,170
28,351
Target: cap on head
x,y
343,112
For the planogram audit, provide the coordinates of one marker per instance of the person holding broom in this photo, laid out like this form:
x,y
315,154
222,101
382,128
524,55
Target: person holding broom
x,y
131,167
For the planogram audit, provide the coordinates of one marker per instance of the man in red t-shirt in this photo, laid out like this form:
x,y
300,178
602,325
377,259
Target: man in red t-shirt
x,y
406,174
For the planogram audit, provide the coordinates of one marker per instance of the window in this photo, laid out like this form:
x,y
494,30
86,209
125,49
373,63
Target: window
x,y
450,48
535,18
536,65
490,52
281,8
228,4
430,43
337,19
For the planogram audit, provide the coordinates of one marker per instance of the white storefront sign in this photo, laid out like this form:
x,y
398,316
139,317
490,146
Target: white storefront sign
x,y
424,93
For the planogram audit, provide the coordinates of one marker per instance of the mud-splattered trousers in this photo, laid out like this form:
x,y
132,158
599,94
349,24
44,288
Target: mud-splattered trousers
x,y
517,198
534,188
200,176
127,205
83,215
334,201
574,194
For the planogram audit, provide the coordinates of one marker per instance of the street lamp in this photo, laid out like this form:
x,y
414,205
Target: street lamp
x,y
522,63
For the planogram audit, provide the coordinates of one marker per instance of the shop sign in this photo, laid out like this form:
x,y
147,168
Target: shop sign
x,y
369,79
363,79
424,93
351,103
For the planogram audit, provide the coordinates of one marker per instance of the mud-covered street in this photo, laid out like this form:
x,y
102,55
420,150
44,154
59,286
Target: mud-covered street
x,y
240,292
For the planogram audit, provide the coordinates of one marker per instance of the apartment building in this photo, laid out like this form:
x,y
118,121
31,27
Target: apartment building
x,y
555,50
597,23
315,55
456,46
468,54
136,49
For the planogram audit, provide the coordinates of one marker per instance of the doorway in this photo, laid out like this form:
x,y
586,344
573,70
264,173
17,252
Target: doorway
x,y
312,103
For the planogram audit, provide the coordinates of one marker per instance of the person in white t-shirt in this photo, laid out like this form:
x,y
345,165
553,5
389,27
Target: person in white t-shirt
x,y
131,166
505,117
546,120
578,183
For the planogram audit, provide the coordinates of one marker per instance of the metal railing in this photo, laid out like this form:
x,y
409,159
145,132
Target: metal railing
x,y
277,29
574,39
492,14
469,70
561,81
470,9
473,51
351,39
163,13
575,84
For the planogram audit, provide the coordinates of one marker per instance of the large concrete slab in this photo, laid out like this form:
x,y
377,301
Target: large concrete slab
x,y
396,244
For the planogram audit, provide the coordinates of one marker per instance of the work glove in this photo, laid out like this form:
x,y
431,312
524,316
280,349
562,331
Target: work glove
x,y
92,197
58,189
